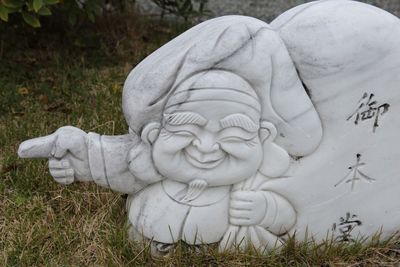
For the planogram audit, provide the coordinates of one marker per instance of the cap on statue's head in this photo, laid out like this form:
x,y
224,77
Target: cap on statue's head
x,y
237,52
214,85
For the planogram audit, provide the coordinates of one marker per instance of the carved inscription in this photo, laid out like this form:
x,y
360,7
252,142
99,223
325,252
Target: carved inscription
x,y
354,174
345,227
367,109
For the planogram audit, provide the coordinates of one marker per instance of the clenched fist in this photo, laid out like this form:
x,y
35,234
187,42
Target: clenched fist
x,y
247,208
66,150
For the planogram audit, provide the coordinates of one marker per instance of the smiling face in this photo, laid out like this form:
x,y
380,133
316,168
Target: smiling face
x,y
216,141
210,134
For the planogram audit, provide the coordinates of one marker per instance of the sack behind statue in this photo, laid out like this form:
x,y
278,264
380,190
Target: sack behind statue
x,y
348,56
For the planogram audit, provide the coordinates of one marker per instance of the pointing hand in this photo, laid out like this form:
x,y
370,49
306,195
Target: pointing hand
x,y
66,150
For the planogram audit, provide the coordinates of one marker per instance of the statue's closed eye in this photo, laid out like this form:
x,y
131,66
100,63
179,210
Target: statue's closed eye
x,y
234,139
183,133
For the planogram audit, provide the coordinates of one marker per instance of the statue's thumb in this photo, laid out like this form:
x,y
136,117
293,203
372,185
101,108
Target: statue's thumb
x,y
40,147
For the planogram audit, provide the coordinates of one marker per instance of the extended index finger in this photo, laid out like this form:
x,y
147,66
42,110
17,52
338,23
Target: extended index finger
x,y
40,147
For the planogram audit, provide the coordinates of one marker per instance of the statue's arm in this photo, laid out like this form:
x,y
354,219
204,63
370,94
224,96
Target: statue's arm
x,y
109,161
280,215
122,163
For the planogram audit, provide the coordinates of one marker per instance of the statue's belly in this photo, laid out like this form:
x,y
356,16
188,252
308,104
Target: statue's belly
x,y
159,217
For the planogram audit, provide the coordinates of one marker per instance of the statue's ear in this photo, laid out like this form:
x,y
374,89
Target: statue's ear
x,y
267,132
150,132
276,160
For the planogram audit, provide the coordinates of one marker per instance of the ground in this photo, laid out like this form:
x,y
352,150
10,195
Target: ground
x,y
61,75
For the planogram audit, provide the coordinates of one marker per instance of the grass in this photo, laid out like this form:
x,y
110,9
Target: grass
x,y
52,77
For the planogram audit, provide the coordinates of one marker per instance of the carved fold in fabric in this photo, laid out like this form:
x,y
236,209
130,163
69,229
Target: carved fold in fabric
x,y
219,95
108,162
158,213
96,159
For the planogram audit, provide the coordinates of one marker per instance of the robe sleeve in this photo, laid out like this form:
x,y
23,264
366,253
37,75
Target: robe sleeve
x,y
280,216
108,161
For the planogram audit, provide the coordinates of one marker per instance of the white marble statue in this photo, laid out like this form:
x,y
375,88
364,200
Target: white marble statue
x,y
241,132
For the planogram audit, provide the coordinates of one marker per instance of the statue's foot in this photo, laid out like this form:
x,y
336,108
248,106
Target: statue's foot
x,y
157,249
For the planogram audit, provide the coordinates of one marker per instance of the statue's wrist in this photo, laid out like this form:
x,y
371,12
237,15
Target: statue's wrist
x,y
270,211
96,159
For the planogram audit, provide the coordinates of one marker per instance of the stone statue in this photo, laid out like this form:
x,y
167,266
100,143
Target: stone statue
x,y
222,120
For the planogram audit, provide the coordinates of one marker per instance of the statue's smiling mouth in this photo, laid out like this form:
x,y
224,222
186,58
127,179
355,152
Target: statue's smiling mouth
x,y
206,163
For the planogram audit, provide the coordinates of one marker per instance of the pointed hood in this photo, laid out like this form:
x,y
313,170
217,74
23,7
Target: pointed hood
x,y
244,46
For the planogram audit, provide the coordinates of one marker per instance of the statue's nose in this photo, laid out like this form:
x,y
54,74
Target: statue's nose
x,y
206,144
